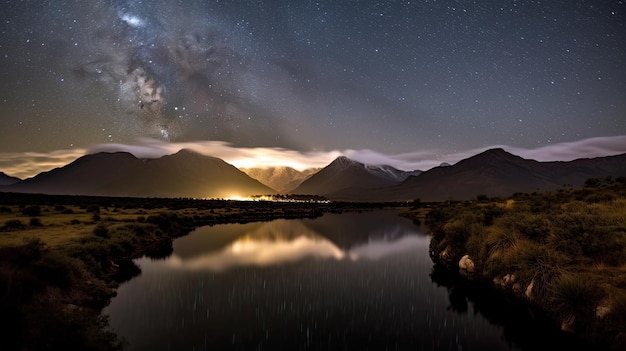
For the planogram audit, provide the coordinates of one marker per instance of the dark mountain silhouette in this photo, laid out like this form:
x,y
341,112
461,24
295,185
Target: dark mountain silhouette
x,y
496,172
283,179
85,176
184,174
346,179
7,179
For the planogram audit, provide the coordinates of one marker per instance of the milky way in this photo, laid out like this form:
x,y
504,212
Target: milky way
x,y
388,76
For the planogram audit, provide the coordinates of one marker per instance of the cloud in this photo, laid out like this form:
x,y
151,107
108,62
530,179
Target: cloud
x,y
241,157
424,160
28,164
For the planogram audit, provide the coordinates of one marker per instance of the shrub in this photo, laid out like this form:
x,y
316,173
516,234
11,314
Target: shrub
x,y
532,226
490,213
499,241
13,224
101,230
57,270
539,264
31,211
574,298
35,222
93,209
165,221
30,250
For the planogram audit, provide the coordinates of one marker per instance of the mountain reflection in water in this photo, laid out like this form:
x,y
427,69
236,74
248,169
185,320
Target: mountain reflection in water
x,y
278,242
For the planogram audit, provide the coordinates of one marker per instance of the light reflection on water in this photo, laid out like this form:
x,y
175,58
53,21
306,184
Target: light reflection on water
x,y
349,281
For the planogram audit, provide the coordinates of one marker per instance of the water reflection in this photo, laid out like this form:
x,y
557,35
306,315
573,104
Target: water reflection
x,y
279,242
377,249
266,245
349,281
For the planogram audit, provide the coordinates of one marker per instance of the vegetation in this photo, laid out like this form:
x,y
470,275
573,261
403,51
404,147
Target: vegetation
x,y
562,252
62,257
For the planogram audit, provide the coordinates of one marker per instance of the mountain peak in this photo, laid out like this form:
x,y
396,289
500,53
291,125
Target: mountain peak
x,y
190,152
185,150
189,155
343,162
343,158
497,152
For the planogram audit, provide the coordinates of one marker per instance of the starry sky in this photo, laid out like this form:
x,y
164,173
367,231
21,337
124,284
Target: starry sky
x,y
389,78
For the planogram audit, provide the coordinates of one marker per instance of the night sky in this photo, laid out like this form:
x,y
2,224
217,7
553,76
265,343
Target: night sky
x,y
408,80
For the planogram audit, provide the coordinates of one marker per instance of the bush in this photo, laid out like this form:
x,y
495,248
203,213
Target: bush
x,y
93,209
57,270
490,213
101,230
30,250
532,226
13,224
31,211
35,222
574,298
539,264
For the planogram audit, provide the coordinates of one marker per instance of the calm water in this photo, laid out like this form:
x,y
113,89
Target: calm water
x,y
343,281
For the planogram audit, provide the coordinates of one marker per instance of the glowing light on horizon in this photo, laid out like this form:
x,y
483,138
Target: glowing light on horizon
x,y
29,164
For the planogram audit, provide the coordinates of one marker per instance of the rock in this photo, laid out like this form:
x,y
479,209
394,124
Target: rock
x,y
567,324
603,310
497,281
529,290
467,264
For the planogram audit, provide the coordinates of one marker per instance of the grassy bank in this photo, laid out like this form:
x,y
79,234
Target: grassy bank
x,y
62,257
562,252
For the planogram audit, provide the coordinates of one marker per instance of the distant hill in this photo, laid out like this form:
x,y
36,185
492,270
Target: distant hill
x,y
346,179
184,174
8,180
283,179
496,172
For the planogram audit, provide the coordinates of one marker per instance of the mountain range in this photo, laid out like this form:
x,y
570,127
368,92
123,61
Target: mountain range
x,y
494,172
184,174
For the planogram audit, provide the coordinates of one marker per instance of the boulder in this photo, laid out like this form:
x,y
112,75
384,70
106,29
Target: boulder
x,y
466,264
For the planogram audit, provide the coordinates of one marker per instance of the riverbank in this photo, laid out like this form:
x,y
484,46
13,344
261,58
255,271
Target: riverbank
x,y
63,257
562,253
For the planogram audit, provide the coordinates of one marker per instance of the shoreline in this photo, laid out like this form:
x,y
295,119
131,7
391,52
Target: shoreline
x,y
560,253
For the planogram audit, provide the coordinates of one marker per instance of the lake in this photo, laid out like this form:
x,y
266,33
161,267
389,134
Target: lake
x,y
351,281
